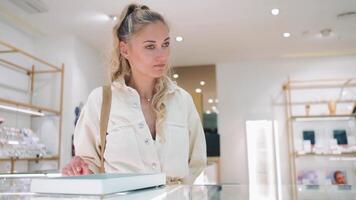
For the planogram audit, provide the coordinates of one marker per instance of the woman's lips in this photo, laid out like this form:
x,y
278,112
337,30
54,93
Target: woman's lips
x,y
159,66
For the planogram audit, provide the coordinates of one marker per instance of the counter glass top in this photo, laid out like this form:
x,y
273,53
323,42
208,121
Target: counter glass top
x,y
19,188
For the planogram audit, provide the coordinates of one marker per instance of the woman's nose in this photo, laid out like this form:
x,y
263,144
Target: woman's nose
x,y
162,54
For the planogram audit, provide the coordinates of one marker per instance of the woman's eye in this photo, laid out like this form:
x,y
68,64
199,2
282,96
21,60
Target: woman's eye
x,y
166,44
150,47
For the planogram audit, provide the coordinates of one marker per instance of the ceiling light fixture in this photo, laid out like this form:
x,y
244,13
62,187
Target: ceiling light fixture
x,y
275,11
198,90
210,101
175,76
202,83
286,35
31,6
179,38
112,17
215,109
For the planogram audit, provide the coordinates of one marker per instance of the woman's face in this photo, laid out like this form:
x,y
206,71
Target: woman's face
x,y
340,178
148,51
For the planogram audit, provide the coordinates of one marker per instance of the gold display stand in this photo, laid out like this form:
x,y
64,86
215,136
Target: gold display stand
x,y
291,86
50,68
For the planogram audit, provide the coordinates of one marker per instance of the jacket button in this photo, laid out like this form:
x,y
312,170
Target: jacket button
x,y
135,105
141,125
154,165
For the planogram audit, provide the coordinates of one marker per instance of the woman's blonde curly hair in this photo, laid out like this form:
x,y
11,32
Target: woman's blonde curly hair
x,y
132,20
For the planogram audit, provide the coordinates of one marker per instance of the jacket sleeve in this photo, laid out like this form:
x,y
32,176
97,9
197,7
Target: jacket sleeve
x,y
197,143
86,134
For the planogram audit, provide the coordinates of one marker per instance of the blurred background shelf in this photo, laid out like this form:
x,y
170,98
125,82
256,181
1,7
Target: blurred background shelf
x,y
331,104
33,70
353,154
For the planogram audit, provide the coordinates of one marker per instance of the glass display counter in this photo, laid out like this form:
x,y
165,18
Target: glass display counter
x,y
19,188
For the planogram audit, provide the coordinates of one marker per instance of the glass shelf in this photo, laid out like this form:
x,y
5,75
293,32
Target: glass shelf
x,y
323,117
352,154
30,158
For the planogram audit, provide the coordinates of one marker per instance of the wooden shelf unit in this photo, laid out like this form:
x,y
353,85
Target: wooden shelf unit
x,y
291,85
32,72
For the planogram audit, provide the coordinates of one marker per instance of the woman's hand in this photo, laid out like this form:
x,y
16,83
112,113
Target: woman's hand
x,y
173,180
76,167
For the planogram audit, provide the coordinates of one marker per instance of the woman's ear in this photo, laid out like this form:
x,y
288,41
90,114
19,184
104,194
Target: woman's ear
x,y
124,49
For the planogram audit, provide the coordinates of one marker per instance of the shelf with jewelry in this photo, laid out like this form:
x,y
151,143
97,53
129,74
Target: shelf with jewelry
x,y
20,116
322,135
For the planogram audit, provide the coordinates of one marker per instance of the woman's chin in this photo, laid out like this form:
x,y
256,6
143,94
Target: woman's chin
x,y
158,74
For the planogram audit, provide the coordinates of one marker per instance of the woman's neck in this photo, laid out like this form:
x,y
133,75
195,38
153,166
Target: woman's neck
x,y
143,85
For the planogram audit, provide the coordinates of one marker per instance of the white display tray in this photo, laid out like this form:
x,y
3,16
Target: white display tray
x,y
97,184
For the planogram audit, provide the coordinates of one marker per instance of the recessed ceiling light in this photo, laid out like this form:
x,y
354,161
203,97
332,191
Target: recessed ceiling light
x,y
202,83
210,101
179,38
215,109
112,17
208,112
275,11
286,35
175,76
198,90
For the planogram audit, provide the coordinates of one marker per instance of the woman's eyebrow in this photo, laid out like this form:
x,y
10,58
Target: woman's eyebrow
x,y
152,41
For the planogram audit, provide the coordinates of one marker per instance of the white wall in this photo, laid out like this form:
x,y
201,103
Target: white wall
x,y
14,85
84,70
246,91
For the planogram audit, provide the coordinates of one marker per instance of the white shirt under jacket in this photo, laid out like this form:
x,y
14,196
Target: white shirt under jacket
x,y
130,148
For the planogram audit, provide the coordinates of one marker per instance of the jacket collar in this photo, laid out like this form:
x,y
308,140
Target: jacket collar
x,y
120,83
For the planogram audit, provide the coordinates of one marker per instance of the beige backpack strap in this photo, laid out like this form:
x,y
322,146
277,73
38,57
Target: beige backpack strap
x,y
104,119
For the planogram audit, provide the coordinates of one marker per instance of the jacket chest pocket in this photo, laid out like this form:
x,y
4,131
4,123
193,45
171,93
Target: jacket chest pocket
x,y
121,145
179,140
177,156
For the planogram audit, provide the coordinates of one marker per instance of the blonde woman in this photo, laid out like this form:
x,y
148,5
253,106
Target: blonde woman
x,y
153,124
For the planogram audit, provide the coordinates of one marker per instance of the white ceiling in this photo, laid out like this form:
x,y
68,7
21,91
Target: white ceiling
x,y
214,30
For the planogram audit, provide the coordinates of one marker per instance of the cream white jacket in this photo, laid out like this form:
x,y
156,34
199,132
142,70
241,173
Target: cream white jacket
x,y
179,149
